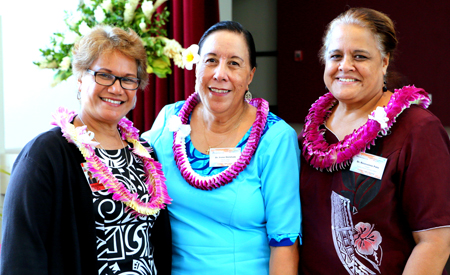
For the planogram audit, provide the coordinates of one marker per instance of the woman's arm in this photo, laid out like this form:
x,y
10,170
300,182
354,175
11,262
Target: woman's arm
x,y
430,253
26,214
284,259
280,187
424,194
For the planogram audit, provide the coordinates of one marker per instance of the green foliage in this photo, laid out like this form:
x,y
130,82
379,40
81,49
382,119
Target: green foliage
x,y
139,15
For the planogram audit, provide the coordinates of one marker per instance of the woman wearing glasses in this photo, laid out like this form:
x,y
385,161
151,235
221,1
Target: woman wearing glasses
x,y
85,197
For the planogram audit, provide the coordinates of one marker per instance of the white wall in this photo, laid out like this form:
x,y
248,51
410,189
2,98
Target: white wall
x,y
226,10
26,98
3,177
260,18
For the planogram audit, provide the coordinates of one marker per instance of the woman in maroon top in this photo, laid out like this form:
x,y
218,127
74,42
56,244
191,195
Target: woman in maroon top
x,y
376,164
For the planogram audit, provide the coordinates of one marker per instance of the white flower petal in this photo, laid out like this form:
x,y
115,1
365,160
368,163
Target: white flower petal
x,y
70,37
99,14
88,3
174,123
188,66
147,8
178,140
143,26
65,63
380,116
74,18
84,28
107,5
190,56
184,131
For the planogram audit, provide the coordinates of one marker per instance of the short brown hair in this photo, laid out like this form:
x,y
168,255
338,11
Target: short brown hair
x,y
103,39
377,22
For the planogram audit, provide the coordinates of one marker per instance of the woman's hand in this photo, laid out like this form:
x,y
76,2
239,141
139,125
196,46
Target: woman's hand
x,y
284,260
430,253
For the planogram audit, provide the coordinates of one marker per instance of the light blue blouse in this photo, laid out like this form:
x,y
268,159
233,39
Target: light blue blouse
x,y
228,230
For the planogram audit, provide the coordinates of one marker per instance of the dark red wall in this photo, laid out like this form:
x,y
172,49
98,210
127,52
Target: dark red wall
x,y
423,29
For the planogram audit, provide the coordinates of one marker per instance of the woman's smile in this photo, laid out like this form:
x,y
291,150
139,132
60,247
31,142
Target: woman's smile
x,y
114,102
219,91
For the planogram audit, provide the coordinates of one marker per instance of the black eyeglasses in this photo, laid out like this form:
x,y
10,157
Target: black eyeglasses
x,y
106,79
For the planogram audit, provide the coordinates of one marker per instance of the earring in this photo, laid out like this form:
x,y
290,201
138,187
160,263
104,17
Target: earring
x,y
384,87
248,96
79,95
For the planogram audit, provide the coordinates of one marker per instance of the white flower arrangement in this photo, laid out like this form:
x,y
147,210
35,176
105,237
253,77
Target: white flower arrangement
x,y
139,15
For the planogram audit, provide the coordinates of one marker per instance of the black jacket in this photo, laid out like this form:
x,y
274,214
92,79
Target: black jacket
x,y
48,214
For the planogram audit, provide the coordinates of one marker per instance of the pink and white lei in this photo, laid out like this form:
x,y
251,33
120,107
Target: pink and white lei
x,y
181,130
154,176
322,155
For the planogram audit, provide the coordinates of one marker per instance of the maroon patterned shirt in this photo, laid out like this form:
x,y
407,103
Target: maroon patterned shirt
x,y
354,224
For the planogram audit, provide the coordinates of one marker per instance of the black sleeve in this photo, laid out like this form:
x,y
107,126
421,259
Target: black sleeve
x,y
48,222
27,203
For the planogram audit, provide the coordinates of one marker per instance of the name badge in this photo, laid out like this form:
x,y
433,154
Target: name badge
x,y
223,157
91,180
369,165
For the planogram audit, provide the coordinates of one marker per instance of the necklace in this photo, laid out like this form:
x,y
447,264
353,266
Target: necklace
x,y
121,141
229,131
93,136
179,127
154,176
123,146
322,155
126,157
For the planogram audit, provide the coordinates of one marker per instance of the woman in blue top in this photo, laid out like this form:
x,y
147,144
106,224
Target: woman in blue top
x,y
232,168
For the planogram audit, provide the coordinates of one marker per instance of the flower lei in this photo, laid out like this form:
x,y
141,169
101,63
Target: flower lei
x,y
231,172
154,176
322,155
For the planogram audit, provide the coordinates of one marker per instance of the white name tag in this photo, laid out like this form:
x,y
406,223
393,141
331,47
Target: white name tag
x,y
223,157
369,165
